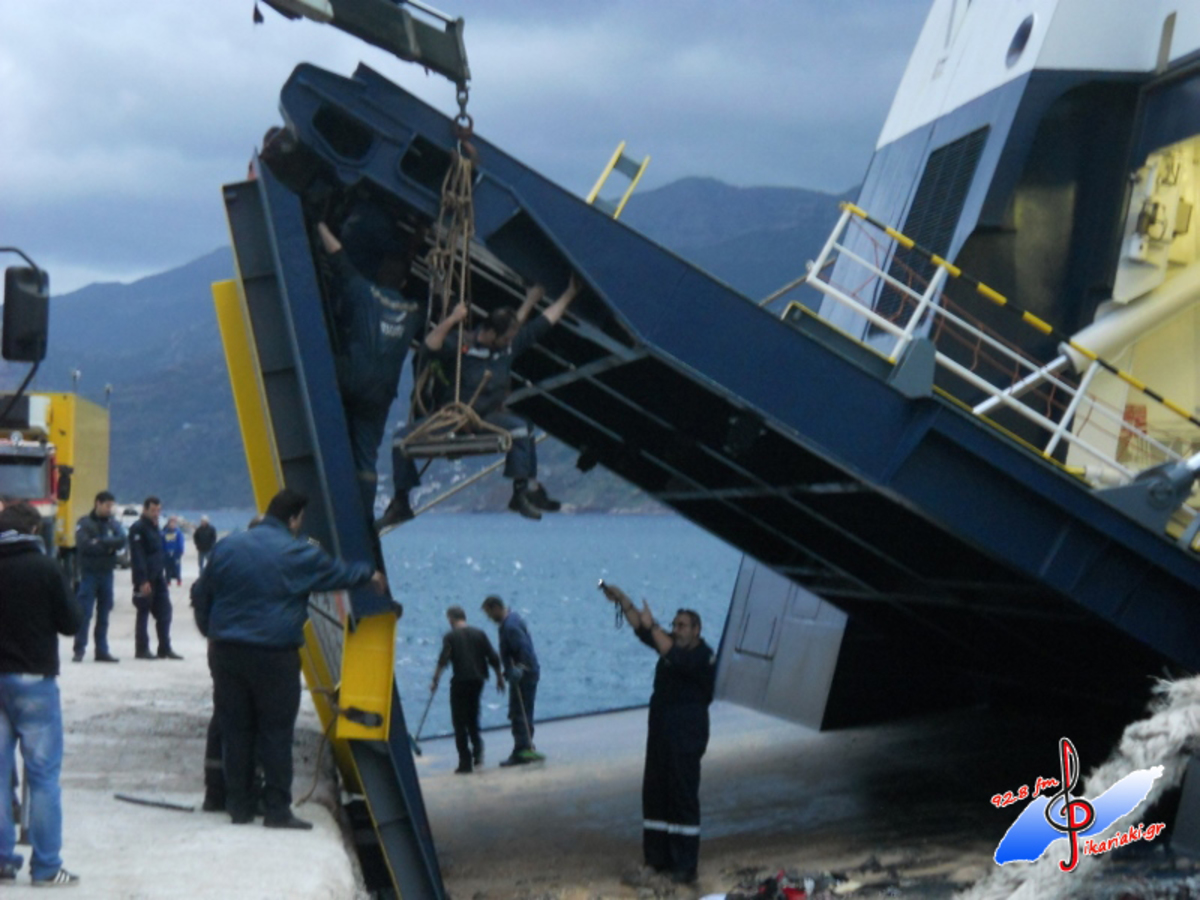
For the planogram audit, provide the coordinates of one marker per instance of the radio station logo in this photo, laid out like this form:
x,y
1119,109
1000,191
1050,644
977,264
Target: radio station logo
x,y
1055,812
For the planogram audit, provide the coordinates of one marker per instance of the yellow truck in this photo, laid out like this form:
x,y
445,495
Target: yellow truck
x,y
54,453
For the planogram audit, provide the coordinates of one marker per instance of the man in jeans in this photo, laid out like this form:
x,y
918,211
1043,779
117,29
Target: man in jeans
x,y
35,607
99,538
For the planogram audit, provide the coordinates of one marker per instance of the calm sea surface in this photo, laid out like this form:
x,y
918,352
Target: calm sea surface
x,y
547,571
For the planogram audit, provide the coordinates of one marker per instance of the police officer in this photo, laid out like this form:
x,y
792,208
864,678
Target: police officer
x,y
148,559
677,737
99,537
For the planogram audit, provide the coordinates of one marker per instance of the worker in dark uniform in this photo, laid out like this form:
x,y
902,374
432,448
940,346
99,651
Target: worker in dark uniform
x,y
251,602
522,672
486,355
375,323
148,558
677,737
469,652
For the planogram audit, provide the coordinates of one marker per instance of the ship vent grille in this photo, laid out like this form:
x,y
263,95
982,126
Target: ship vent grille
x,y
933,217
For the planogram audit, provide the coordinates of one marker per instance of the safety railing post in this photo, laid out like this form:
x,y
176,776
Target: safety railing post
x,y
933,290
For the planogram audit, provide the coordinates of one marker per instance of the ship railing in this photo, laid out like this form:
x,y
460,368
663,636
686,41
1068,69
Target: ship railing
x,y
1041,403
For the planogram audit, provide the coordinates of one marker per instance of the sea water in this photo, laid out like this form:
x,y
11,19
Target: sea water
x,y
547,571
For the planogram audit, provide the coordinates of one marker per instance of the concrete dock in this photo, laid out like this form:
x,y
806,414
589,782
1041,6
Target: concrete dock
x,y
895,810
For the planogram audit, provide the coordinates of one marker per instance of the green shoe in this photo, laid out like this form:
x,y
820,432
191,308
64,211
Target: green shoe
x,y
530,756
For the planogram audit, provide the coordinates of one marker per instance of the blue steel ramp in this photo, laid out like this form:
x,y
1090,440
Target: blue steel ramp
x,y
966,563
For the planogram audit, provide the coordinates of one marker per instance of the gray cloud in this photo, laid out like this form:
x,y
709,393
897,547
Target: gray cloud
x,y
119,122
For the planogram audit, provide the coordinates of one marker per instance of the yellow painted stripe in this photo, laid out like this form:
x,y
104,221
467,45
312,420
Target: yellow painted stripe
x,y
1082,350
906,242
245,377
1129,379
995,297
954,270
855,210
1176,408
1039,324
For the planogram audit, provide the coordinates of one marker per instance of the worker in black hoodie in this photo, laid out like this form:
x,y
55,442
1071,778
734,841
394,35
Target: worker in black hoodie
x,y
35,607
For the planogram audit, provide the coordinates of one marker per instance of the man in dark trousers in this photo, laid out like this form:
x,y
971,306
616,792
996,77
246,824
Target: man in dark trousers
x,y
251,602
99,539
204,537
35,607
522,672
469,652
148,558
375,324
486,355
678,736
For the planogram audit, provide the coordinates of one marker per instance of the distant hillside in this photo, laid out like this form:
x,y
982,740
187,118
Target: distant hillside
x,y
174,430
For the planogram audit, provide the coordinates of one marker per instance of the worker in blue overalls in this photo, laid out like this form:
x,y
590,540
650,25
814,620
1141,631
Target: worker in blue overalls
x,y
677,738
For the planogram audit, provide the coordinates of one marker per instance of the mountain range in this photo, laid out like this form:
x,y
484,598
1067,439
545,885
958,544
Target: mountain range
x,y
174,429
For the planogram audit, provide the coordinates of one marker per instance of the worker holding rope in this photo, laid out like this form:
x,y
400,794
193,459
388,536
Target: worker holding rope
x,y
482,359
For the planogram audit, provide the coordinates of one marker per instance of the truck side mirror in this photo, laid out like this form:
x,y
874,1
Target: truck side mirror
x,y
64,482
26,314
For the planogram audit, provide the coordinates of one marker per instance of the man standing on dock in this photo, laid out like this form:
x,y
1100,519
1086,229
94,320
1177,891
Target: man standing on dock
x,y
148,557
35,607
469,652
522,672
99,537
677,738
251,602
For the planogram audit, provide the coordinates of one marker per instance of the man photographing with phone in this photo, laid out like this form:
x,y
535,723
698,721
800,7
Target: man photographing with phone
x,y
677,736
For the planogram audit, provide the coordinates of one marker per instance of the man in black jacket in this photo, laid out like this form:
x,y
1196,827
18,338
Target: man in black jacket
x,y
204,537
99,538
150,596
469,652
677,737
35,607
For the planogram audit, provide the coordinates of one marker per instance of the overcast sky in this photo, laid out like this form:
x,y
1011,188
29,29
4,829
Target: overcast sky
x,y
120,119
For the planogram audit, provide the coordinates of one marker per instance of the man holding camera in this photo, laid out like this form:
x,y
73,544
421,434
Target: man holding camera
x,y
677,738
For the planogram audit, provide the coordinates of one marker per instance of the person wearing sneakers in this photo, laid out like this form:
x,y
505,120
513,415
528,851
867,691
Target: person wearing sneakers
x,y
251,602
469,652
522,672
99,539
35,607
486,354
677,736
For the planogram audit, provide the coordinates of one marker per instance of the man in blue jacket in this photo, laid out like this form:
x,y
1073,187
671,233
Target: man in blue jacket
x,y
251,602
522,672
99,538
148,558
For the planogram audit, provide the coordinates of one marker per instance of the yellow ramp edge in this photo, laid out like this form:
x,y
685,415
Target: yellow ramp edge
x,y
245,378
368,663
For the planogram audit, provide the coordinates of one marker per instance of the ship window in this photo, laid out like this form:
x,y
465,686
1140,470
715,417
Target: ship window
x,y
1020,39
